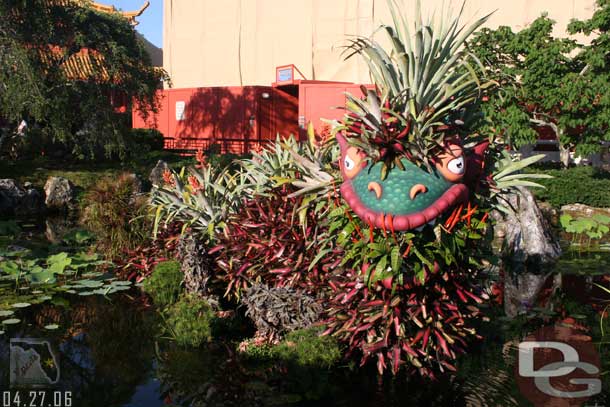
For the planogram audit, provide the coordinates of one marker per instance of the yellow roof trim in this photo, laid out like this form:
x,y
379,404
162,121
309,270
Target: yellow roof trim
x,y
129,15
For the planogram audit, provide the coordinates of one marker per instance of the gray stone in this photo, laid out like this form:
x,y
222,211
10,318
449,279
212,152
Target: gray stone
x,y
19,200
528,238
138,186
11,194
156,174
583,211
59,193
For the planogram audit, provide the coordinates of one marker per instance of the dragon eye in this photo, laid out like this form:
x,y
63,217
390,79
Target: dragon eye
x,y
349,163
456,165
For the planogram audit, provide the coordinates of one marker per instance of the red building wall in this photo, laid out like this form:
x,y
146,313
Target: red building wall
x,y
240,118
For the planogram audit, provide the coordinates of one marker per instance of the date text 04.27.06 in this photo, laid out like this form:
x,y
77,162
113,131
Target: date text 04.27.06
x,y
36,398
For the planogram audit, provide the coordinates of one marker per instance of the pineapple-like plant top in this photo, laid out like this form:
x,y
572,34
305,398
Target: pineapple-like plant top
x,y
426,88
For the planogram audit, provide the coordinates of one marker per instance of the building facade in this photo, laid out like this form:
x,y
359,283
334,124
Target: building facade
x,y
245,71
240,42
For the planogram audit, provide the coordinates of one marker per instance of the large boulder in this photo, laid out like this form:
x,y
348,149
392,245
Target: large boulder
x,y
524,233
156,174
18,200
59,193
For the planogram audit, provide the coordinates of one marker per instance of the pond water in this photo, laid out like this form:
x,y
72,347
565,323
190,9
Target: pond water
x,y
110,351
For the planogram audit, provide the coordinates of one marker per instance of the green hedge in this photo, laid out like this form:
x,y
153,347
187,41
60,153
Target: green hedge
x,y
585,185
144,140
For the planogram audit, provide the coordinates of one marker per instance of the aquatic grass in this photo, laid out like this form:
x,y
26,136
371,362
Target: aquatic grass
x,y
604,312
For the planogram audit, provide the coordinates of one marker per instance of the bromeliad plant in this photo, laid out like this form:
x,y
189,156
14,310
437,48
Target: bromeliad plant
x,y
200,197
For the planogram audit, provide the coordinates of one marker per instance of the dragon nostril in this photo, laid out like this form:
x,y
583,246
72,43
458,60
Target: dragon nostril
x,y
374,186
417,189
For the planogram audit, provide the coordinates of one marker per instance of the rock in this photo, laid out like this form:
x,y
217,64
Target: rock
x,y
19,200
583,211
156,174
528,238
11,194
59,193
550,213
32,203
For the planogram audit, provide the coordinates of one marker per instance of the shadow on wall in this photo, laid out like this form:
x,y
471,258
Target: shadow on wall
x,y
217,116
237,119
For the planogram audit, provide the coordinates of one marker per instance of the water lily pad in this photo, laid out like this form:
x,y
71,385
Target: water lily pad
x,y
51,327
71,291
6,313
86,293
45,298
121,283
37,292
21,305
11,321
90,284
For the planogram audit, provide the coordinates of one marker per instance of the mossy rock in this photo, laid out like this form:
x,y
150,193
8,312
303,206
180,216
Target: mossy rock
x,y
189,321
164,284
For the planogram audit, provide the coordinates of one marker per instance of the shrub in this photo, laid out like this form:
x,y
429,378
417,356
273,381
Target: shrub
x,y
136,264
585,185
266,242
188,321
114,212
163,285
145,140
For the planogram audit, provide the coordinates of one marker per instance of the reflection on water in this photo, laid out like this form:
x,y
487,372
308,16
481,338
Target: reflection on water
x,y
111,354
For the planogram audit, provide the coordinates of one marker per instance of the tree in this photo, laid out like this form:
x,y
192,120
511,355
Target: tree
x,y
63,64
547,81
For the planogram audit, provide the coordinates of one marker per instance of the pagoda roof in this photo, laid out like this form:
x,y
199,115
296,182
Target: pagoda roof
x,y
129,15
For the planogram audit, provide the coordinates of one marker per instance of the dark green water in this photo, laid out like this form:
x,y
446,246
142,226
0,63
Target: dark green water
x,y
110,352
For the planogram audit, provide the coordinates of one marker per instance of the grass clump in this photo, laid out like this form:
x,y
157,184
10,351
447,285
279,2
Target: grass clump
x,y
116,214
164,284
189,321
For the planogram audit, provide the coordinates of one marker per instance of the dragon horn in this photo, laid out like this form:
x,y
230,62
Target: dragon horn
x,y
342,142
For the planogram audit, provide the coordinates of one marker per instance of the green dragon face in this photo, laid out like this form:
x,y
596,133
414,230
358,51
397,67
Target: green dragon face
x,y
405,199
